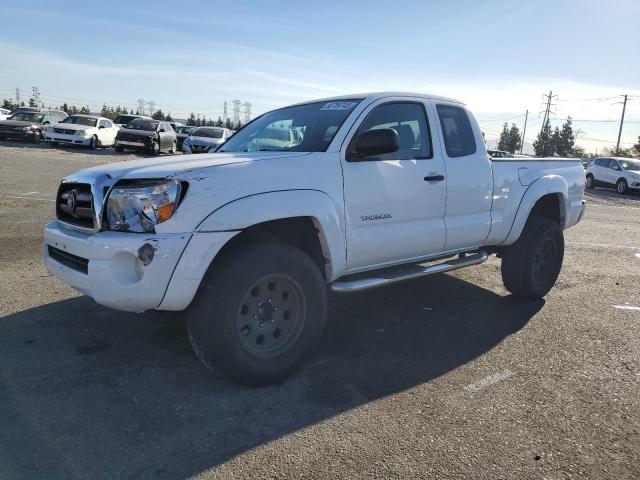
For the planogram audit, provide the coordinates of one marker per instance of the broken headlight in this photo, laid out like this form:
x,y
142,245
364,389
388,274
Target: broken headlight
x,y
139,207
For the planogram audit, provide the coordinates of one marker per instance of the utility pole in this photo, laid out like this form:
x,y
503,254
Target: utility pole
x,y
225,115
36,96
152,107
524,131
624,107
18,99
141,106
547,110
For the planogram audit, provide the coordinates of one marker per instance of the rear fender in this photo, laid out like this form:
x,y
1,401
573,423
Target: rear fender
x,y
549,184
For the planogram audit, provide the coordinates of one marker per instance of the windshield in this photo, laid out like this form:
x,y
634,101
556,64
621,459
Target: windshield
x,y
88,121
184,129
629,164
207,132
27,117
124,119
302,128
140,124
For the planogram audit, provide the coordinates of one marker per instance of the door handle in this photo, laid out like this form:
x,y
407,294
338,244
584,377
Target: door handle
x,y
434,178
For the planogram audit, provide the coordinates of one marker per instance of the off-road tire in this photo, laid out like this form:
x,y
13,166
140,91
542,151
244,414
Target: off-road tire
x,y
217,315
530,267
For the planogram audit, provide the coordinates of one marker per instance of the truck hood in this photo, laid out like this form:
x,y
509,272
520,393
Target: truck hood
x,y
173,166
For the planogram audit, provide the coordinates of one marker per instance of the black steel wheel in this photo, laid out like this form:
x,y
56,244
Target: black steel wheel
x,y
259,312
271,315
621,186
93,143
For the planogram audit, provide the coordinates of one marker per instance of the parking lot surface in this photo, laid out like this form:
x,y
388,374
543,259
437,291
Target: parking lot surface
x,y
443,377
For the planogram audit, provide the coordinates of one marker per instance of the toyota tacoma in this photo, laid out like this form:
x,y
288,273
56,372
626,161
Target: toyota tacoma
x,y
354,192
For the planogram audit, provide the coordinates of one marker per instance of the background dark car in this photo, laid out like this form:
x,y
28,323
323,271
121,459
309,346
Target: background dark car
x,y
29,125
153,136
182,132
125,118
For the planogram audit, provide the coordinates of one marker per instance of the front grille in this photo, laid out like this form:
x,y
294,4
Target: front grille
x,y
130,137
199,148
79,210
67,259
64,130
6,128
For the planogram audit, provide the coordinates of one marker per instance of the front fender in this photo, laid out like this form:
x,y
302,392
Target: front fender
x,y
263,207
549,184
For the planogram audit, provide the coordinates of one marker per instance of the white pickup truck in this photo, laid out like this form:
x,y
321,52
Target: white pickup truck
x,y
358,192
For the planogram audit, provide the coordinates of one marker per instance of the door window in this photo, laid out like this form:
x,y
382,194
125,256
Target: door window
x,y
459,139
409,121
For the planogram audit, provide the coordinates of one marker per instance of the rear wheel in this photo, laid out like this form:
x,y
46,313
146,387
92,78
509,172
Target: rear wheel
x,y
530,267
589,181
260,311
621,186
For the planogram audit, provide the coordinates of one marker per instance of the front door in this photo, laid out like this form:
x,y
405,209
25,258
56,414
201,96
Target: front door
x,y
394,202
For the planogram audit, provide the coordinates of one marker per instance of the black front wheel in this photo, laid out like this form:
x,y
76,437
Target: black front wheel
x,y
621,186
259,313
530,267
93,143
155,147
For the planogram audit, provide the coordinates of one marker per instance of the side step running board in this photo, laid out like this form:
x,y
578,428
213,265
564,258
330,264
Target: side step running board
x,y
414,271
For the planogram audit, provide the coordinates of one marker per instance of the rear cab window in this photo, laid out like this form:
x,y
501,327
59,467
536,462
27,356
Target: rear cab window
x,y
459,139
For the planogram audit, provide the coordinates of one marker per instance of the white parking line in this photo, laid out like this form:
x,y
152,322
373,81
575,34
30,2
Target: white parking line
x,y
20,197
488,381
30,193
638,255
626,307
606,245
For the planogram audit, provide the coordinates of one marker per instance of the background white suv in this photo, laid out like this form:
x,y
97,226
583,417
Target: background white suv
x,y
621,173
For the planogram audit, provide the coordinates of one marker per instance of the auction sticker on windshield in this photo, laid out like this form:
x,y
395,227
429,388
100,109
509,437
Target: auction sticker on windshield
x,y
338,106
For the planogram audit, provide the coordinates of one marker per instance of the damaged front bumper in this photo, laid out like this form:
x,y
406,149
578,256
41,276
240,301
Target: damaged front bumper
x,y
125,271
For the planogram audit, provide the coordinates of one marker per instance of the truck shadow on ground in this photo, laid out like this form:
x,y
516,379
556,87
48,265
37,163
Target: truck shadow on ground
x,y
87,392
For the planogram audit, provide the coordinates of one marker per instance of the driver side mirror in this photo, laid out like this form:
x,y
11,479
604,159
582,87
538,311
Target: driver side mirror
x,y
161,129
374,142
101,127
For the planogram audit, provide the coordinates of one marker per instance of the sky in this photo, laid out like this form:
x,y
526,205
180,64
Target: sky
x,y
499,57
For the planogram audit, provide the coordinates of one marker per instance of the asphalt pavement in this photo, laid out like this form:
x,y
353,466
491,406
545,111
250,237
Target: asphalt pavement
x,y
444,377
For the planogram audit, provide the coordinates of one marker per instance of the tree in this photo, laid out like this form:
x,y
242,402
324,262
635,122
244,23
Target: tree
x,y
158,115
515,139
228,124
555,141
503,142
510,138
238,125
566,140
32,103
219,123
543,145
636,147
191,120
9,105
